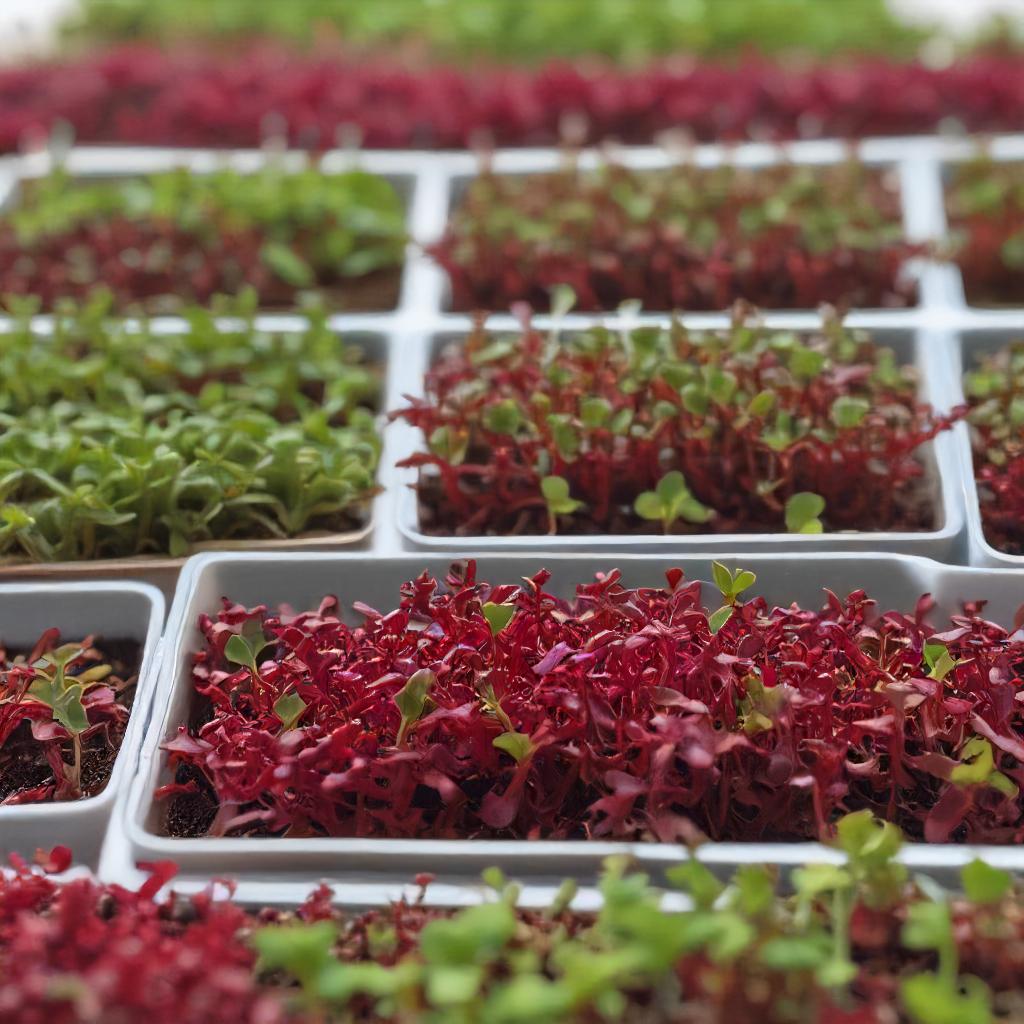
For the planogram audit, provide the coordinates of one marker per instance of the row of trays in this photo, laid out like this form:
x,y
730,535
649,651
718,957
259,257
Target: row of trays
x,y
432,187
123,825
940,357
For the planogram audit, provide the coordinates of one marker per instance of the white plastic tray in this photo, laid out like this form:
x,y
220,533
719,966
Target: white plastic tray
x,y
301,580
119,611
920,348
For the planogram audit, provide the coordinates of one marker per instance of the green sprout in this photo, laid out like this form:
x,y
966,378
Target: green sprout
x,y
803,511
671,500
555,490
62,693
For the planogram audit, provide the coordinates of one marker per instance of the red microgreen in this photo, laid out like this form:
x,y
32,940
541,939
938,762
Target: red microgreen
x,y
672,430
680,238
622,713
189,96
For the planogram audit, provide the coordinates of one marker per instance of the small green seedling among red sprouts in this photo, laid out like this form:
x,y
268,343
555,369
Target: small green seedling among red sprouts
x,y
63,713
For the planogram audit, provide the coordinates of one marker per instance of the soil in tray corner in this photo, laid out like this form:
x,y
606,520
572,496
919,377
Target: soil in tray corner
x,y
23,764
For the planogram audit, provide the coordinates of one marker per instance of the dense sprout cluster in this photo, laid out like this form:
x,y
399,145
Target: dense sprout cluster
x,y
478,710
146,94
855,943
120,440
176,238
520,30
673,429
682,237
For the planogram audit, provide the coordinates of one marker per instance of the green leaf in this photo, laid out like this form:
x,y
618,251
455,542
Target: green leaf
x,y
847,412
475,935
836,972
555,490
301,949
495,878
528,999
722,577
744,579
1003,783
761,404
283,261
289,708
503,417
697,880
496,351
563,298
802,512
754,890
719,618
595,412
813,880
237,650
515,744
976,763
621,422
411,700
648,506
721,385
938,659
929,999
498,616
867,840
928,926
806,363
796,952
453,985
337,982
450,444
695,399
985,884
69,710
732,584
671,488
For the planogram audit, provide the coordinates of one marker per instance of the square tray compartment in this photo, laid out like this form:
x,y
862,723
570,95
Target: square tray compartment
x,y
162,571
927,352
119,610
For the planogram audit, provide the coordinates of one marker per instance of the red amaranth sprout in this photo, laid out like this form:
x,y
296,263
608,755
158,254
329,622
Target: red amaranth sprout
x,y
476,710
682,237
191,97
